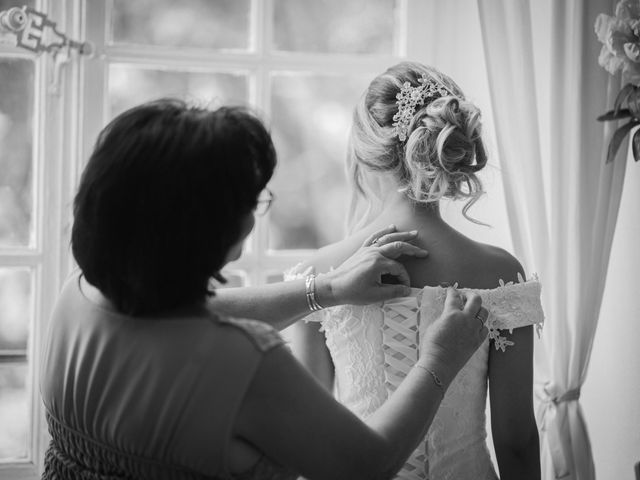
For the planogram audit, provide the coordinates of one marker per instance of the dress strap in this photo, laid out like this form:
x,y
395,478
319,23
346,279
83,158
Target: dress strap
x,y
510,305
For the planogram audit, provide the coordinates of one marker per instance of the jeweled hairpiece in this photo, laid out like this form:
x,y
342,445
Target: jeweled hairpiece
x,y
410,97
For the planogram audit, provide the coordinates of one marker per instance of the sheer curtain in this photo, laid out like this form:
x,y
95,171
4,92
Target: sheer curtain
x,y
562,204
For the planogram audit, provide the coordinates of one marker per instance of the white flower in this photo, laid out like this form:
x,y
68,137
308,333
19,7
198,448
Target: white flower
x,y
620,38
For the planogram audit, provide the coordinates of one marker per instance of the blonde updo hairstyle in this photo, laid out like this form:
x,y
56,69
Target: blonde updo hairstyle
x,y
443,150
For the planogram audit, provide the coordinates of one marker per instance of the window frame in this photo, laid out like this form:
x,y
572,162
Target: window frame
x,y
258,261
55,125
67,123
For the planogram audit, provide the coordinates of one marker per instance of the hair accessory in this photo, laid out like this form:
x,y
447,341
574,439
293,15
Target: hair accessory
x,y
310,288
410,97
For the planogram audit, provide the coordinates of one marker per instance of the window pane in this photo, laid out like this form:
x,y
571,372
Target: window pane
x,y
5,4
15,308
14,411
334,26
220,24
130,85
274,278
15,313
16,116
311,117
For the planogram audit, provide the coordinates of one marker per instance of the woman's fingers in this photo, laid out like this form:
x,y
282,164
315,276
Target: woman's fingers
x,y
473,304
390,267
375,236
395,236
474,309
454,300
396,249
387,292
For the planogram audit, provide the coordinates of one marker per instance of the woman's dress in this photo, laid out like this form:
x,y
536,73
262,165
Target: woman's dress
x,y
373,348
147,398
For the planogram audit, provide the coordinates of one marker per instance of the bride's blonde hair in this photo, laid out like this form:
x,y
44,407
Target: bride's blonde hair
x,y
443,149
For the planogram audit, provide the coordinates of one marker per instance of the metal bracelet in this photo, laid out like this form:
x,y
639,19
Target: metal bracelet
x,y
435,377
310,291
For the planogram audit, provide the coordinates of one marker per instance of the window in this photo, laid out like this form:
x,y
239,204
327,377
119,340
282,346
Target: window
x,y
301,64
31,238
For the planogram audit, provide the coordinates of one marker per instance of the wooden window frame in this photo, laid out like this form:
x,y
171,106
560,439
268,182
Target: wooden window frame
x,y
66,125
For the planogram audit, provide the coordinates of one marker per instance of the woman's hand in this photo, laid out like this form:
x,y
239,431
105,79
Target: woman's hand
x,y
358,280
451,340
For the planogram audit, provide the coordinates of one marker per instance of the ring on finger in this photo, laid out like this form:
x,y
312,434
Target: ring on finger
x,y
482,316
376,242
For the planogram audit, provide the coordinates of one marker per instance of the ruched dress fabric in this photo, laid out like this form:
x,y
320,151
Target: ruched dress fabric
x,y
373,347
142,398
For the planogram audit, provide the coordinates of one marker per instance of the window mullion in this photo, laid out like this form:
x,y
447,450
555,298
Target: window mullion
x,y
262,11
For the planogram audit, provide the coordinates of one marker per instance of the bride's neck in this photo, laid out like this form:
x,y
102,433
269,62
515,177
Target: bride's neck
x,y
399,204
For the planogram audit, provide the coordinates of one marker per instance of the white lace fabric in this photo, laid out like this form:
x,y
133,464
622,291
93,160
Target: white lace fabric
x,y
373,348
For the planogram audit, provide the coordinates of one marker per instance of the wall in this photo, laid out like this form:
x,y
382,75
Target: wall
x,y
611,394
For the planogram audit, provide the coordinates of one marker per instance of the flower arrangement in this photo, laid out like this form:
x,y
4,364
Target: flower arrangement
x,y
620,36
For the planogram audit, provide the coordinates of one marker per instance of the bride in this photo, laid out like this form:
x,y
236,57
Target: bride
x,y
415,139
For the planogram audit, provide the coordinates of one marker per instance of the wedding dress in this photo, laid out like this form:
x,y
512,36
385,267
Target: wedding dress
x,y
373,348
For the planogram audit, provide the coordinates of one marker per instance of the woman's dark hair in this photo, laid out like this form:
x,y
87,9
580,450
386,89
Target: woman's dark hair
x,y
163,198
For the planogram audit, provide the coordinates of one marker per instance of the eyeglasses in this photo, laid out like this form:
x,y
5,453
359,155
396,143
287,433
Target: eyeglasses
x,y
264,202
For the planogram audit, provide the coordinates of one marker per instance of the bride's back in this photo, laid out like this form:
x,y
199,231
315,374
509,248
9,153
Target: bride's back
x,y
453,257
416,140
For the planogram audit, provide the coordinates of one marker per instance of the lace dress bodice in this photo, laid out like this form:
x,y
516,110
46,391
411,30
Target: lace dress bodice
x,y
373,347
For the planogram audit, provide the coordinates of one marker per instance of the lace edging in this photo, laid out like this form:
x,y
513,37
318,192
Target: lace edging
x,y
502,342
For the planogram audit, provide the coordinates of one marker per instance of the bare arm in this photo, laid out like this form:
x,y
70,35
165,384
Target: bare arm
x,y
356,281
279,304
515,434
513,424
309,348
293,420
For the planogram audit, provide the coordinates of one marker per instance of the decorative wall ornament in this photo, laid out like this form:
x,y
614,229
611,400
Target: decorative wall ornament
x,y
36,32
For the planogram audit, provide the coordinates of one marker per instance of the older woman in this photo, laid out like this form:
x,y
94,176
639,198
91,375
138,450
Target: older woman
x,y
145,373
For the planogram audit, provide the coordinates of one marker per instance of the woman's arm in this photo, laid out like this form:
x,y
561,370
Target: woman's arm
x,y
513,425
294,421
309,347
356,281
279,304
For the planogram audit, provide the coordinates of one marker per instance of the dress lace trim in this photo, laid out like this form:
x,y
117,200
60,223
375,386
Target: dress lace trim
x,y
510,305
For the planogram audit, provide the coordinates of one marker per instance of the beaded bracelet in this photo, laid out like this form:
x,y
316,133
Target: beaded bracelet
x,y
310,289
435,377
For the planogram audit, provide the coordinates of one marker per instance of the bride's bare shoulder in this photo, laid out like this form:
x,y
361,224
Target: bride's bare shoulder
x,y
501,264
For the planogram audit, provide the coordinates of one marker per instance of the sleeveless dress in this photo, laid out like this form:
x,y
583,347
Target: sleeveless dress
x,y
147,398
373,348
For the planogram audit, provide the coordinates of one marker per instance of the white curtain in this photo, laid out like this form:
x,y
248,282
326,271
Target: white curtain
x,y
562,204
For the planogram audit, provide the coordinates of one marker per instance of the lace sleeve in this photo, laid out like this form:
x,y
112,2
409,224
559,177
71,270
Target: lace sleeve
x,y
510,305
296,273
513,305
